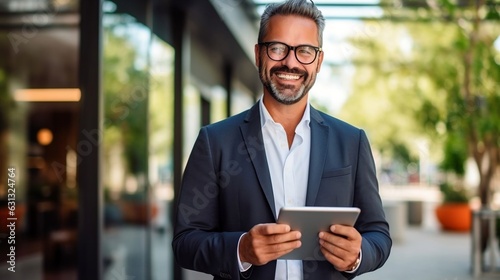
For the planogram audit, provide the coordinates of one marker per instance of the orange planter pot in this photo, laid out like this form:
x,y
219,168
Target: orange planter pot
x,y
454,216
136,212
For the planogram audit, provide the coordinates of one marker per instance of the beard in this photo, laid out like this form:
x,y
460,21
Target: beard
x,y
286,94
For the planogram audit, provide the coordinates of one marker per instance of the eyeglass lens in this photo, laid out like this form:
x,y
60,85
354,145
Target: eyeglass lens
x,y
304,54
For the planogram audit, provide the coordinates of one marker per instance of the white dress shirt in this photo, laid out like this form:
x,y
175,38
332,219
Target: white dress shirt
x,y
289,169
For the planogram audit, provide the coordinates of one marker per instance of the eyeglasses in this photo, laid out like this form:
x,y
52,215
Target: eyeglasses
x,y
277,51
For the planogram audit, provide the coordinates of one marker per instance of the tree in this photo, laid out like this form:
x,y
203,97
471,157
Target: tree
x,y
444,81
473,107
388,92
125,91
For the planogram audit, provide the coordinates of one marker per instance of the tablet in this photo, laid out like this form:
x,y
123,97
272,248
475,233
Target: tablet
x,y
310,221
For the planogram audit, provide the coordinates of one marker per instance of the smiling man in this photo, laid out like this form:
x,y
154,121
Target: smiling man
x,y
281,152
305,63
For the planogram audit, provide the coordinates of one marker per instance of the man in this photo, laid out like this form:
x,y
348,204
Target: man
x,y
281,152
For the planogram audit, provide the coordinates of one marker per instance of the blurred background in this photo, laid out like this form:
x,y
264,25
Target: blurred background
x,y
101,101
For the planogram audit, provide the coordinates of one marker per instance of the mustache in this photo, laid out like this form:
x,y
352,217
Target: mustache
x,y
285,69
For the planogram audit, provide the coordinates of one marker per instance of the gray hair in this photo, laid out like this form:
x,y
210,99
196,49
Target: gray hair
x,y
292,7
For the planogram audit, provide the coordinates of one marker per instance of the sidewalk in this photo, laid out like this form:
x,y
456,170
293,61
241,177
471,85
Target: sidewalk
x,y
424,253
429,254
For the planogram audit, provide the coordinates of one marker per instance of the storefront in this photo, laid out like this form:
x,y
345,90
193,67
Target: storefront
x,y
100,103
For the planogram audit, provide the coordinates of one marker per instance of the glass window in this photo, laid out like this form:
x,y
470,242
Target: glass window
x,y
160,156
39,113
125,150
137,149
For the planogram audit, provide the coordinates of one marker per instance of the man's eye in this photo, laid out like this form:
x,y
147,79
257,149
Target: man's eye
x,y
278,49
306,50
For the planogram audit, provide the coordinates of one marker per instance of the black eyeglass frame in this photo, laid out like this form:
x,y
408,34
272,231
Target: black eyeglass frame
x,y
291,48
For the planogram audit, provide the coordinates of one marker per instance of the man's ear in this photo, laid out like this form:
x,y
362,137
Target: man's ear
x,y
320,61
257,54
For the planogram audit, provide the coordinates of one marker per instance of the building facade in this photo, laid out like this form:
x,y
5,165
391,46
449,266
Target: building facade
x,y
100,103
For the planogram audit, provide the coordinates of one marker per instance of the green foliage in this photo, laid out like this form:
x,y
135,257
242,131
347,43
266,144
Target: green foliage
x,y
455,154
399,152
453,194
138,103
402,94
389,89
125,98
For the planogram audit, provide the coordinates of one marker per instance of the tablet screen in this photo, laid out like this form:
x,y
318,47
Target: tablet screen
x,y
310,221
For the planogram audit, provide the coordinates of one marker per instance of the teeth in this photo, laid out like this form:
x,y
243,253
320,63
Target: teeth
x,y
288,77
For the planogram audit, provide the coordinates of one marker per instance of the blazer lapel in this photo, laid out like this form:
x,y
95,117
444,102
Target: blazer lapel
x,y
251,131
319,141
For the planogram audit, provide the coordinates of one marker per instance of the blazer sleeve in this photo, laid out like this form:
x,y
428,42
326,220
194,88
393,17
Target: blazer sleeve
x,y
198,243
376,243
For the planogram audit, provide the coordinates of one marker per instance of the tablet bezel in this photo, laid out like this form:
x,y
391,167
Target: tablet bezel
x,y
310,220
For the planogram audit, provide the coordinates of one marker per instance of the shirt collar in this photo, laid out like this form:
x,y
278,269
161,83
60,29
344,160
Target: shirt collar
x,y
265,117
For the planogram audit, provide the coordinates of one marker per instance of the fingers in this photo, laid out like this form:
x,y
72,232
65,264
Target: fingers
x,y
345,231
274,238
266,242
341,246
268,229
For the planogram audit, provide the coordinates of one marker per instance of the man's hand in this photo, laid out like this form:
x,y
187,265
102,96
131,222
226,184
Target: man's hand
x,y
341,246
267,242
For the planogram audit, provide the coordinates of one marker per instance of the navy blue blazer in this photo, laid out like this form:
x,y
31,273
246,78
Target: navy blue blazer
x,y
226,190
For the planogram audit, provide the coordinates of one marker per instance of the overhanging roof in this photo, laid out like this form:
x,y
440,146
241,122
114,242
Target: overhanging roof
x,y
391,10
